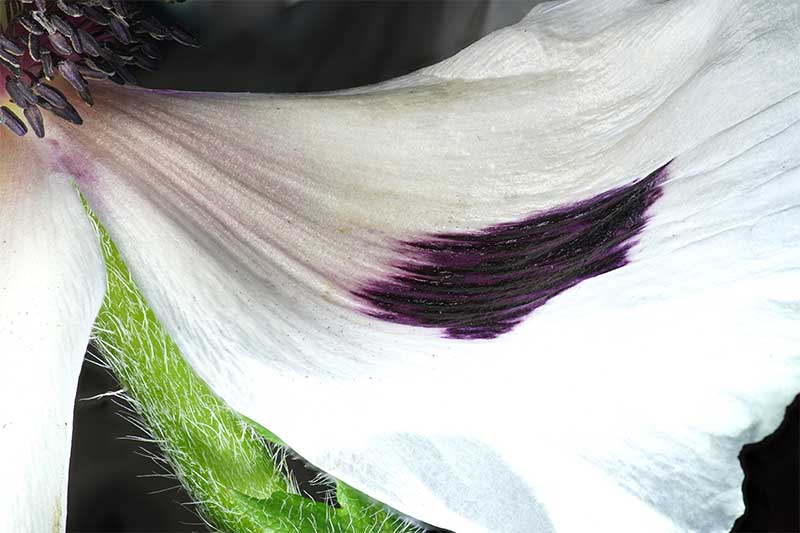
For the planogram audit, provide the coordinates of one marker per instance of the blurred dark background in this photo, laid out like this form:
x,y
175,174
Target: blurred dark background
x,y
280,46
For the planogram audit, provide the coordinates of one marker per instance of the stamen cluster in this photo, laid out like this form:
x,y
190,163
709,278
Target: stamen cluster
x,y
77,40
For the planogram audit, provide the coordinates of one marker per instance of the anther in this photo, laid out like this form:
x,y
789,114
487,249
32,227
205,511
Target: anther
x,y
89,43
150,51
123,75
95,16
180,35
93,40
68,113
69,71
120,30
120,8
100,65
51,95
44,22
34,117
67,31
47,65
60,44
12,121
34,47
92,74
10,59
10,46
142,61
70,10
20,94
30,25
11,67
153,28
62,27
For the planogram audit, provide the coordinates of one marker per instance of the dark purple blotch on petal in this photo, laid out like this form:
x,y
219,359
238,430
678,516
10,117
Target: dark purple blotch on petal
x,y
479,285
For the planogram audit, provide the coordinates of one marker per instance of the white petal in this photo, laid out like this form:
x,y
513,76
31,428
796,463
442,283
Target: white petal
x,y
248,220
52,281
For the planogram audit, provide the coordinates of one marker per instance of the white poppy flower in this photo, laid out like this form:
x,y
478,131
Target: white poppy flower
x,y
421,285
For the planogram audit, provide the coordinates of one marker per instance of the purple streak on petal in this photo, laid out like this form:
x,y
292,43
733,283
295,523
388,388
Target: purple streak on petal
x,y
479,285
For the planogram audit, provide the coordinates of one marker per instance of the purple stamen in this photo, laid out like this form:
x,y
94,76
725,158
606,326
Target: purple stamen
x,y
78,40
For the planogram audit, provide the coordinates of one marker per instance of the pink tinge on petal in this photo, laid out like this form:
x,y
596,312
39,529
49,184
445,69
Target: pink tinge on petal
x,y
52,282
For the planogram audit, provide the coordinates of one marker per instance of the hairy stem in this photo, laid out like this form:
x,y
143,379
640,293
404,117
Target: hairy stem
x,y
222,459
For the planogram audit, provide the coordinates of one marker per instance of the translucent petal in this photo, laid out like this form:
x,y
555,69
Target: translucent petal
x,y
250,223
52,282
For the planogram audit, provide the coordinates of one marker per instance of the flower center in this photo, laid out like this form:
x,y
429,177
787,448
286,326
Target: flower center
x,y
77,40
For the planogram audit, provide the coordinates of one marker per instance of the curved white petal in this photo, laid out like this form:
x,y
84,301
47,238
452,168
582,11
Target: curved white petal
x,y
52,281
249,220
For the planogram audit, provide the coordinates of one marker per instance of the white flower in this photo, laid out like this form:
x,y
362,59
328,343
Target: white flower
x,y
253,223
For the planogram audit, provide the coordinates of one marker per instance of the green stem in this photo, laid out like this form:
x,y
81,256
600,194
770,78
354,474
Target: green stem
x,y
222,459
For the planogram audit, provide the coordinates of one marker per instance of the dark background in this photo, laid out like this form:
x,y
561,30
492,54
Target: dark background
x,y
262,46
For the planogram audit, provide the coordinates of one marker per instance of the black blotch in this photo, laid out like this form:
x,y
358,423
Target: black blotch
x,y
479,285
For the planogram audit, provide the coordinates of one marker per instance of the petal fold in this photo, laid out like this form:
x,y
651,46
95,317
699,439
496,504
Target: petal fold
x,y
52,282
250,222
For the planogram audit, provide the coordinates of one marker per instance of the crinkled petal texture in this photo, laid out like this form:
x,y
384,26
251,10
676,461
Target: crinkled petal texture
x,y
301,251
52,281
